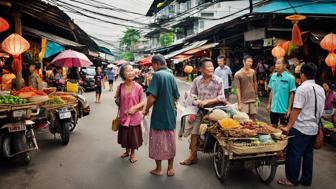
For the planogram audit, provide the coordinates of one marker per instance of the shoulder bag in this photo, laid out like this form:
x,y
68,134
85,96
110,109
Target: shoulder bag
x,y
319,137
116,121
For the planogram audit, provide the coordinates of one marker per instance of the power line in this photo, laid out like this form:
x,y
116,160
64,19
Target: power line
x,y
92,17
101,14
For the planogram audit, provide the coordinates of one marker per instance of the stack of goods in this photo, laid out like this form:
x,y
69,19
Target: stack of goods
x,y
13,100
56,100
32,95
68,99
49,90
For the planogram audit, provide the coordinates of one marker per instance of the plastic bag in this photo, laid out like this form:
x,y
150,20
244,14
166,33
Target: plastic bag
x,y
145,131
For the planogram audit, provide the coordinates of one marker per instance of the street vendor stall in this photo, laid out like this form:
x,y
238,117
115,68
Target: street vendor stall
x,y
235,140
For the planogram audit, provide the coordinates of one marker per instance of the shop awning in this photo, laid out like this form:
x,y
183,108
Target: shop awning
x,y
180,58
201,48
105,50
187,48
324,7
51,37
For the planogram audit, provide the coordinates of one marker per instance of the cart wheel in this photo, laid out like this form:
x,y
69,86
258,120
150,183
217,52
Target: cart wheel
x,y
266,170
6,146
74,121
221,163
65,135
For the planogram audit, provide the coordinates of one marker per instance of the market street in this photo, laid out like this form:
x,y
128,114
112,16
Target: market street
x,y
91,160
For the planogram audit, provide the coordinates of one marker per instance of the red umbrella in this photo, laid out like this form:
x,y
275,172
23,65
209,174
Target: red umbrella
x,y
146,61
71,58
121,62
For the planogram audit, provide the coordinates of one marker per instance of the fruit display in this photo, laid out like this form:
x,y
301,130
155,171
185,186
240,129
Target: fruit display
x,y
228,123
49,90
68,98
28,92
54,100
10,99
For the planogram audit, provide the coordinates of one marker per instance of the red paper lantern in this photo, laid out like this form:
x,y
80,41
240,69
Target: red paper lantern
x,y
331,61
329,42
3,25
188,69
15,45
278,52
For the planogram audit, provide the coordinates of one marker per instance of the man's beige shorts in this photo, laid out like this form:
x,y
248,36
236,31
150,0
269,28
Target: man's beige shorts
x,y
249,108
193,127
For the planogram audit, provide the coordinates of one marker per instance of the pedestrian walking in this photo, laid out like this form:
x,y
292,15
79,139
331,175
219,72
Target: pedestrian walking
x,y
282,87
303,126
245,82
131,101
208,90
99,83
35,80
224,72
110,78
162,94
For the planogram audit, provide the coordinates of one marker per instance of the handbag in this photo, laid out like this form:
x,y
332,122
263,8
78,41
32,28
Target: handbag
x,y
116,121
318,143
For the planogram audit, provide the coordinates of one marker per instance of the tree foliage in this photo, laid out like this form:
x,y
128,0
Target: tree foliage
x,y
131,37
128,56
167,39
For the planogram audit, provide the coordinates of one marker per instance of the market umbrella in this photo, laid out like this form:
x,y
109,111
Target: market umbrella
x,y
71,58
121,62
146,61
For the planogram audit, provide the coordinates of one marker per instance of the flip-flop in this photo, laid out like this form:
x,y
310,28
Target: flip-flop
x,y
170,173
188,162
133,159
285,182
153,172
125,155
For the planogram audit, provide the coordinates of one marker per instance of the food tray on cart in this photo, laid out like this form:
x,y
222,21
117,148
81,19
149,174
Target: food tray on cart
x,y
246,146
56,106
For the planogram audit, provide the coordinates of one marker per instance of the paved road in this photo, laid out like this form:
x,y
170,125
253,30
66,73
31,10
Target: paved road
x,y
91,160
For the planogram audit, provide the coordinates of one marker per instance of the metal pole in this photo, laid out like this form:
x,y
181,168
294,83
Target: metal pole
x,y
251,6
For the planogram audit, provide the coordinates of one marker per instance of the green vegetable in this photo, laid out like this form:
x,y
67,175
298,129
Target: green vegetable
x,y
9,99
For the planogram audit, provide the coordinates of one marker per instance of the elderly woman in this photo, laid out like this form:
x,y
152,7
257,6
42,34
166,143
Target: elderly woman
x,y
131,102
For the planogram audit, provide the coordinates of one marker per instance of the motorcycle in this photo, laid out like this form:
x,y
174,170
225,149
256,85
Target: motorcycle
x,y
17,136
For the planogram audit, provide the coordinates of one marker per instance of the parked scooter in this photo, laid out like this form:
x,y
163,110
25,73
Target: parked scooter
x,y
60,122
17,137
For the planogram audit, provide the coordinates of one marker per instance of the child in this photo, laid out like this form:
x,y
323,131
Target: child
x,y
99,82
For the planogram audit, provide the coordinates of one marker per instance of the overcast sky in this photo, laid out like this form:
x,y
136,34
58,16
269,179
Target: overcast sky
x,y
102,30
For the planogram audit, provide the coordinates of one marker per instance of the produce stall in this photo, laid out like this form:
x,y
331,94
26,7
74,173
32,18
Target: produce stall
x,y
236,140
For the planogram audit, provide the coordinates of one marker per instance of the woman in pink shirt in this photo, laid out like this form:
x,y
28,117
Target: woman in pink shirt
x,y
131,102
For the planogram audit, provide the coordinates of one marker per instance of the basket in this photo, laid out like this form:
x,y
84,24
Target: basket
x,y
250,148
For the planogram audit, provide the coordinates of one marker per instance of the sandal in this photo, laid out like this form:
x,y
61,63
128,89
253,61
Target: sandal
x,y
285,182
188,162
170,173
125,155
154,172
133,159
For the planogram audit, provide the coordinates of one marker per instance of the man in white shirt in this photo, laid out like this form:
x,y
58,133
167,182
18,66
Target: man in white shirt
x,y
224,72
303,125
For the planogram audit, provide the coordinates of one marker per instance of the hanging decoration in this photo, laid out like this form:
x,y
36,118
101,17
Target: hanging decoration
x,y
278,52
329,43
3,25
188,69
15,45
285,45
296,33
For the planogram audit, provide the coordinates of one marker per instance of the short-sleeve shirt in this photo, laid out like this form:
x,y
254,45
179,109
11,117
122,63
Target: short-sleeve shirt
x,y
307,122
224,74
127,100
110,75
98,79
164,88
246,83
281,85
206,91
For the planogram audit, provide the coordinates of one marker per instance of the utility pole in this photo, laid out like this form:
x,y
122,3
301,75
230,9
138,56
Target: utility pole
x,y
251,6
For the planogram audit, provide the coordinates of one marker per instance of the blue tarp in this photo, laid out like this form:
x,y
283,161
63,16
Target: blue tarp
x,y
323,7
52,49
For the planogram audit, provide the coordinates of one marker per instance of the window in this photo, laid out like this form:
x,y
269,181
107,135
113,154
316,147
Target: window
x,y
218,5
188,4
207,14
201,24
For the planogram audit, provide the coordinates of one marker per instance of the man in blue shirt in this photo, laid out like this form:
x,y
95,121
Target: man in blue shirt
x,y
110,77
282,86
224,72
